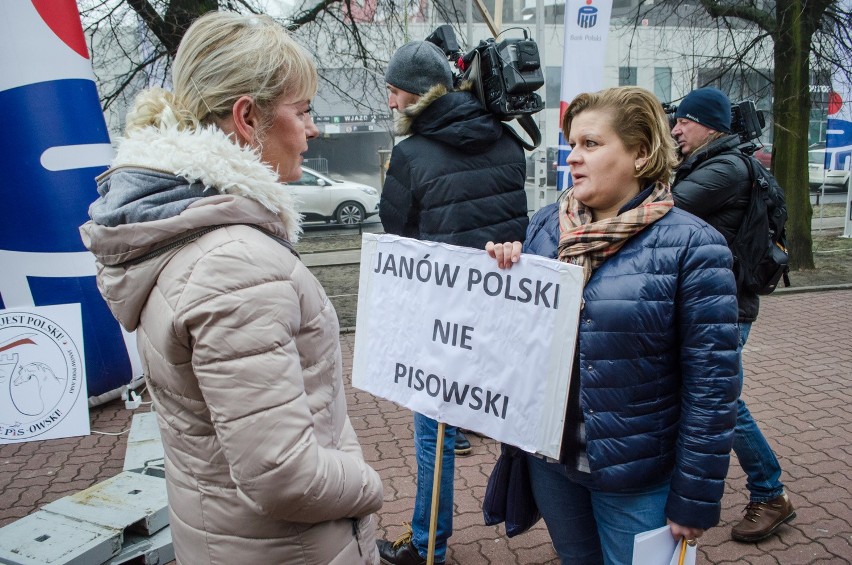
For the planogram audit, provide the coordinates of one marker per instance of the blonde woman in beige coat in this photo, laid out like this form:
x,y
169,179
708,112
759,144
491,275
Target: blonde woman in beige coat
x,y
192,234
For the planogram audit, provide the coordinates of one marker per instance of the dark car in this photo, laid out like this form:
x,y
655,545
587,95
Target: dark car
x,y
764,155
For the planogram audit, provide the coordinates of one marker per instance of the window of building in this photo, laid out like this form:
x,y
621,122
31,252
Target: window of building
x,y
552,86
663,83
626,76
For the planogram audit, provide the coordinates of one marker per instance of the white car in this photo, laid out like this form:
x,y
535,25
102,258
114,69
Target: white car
x,y
322,198
835,176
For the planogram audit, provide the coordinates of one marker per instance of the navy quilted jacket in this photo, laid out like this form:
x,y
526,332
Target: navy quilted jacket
x,y
658,362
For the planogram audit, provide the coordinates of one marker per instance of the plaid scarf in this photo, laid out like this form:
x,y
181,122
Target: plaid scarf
x,y
588,244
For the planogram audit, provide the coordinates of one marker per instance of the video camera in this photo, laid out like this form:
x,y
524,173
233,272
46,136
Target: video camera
x,y
746,120
505,74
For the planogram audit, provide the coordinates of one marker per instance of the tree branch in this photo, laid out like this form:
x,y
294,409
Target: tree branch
x,y
310,15
762,18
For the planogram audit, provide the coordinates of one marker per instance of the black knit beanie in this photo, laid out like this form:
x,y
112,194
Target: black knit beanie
x,y
417,66
707,106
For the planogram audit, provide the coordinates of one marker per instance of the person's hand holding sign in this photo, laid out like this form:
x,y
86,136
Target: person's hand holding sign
x,y
506,253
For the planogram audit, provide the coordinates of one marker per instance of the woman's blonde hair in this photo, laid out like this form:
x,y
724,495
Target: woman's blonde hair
x,y
638,119
222,57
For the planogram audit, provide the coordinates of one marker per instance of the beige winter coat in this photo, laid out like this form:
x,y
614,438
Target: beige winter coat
x,y
240,349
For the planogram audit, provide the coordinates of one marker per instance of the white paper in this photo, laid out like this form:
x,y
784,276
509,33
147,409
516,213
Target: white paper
x,y
658,547
42,374
475,346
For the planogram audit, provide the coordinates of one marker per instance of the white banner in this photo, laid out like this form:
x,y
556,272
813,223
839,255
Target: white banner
x,y
42,374
444,332
838,134
586,34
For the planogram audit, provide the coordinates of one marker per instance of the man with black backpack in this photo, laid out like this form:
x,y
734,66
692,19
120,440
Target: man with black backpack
x,y
718,183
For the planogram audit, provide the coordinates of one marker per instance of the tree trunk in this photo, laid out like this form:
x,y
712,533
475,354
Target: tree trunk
x,y
178,17
791,110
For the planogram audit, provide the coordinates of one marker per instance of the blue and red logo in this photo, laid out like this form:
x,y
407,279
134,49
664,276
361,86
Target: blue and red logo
x,y
587,16
55,142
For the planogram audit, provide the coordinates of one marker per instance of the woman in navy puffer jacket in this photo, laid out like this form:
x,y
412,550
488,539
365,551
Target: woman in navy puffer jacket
x,y
651,410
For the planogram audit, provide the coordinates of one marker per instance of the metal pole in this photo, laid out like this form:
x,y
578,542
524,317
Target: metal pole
x,y
540,155
436,493
468,16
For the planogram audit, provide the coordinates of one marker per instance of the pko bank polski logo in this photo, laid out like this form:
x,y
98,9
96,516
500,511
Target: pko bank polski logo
x,y
587,16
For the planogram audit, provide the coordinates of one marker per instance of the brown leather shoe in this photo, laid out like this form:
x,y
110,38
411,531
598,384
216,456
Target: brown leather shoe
x,y
401,552
763,518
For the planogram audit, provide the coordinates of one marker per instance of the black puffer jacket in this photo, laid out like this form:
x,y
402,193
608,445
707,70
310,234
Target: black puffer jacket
x,y
714,184
459,178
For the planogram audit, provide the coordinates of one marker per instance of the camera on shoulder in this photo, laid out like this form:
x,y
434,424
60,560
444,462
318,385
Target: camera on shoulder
x,y
506,74
746,120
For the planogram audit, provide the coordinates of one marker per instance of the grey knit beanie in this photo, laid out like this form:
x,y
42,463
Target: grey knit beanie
x,y
417,66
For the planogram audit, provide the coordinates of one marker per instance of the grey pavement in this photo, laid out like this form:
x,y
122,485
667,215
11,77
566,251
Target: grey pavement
x,y
798,364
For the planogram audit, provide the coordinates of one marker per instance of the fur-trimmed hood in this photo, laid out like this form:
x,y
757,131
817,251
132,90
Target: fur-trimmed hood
x,y
405,119
165,188
455,118
204,162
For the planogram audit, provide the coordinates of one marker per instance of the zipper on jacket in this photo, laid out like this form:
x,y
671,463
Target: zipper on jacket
x,y
355,533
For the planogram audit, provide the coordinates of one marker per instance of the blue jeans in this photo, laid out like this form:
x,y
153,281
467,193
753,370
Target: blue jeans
x,y
425,441
756,457
589,526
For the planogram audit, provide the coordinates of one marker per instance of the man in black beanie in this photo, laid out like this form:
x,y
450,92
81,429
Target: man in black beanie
x,y
457,178
713,182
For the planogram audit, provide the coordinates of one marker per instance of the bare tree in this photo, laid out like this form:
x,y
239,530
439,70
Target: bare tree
x,y
134,41
786,43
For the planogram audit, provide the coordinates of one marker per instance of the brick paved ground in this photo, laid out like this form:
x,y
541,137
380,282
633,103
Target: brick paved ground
x,y
798,377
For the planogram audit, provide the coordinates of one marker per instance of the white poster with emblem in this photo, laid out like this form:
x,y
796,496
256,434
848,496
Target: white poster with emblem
x,y
42,374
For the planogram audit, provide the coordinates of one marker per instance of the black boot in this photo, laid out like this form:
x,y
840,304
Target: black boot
x,y
462,444
400,553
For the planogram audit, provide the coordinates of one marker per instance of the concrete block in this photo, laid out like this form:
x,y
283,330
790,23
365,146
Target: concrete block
x,y
150,550
144,447
127,500
44,538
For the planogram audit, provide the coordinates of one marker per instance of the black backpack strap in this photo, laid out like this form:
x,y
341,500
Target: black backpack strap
x,y
755,192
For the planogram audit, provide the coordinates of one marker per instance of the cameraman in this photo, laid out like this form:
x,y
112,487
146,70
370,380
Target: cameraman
x,y
714,183
458,178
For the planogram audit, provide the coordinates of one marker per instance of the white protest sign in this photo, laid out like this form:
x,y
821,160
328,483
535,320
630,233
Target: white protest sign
x,y
42,374
442,331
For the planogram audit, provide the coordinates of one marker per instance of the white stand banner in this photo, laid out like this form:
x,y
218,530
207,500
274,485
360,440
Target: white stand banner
x,y
42,374
586,31
444,332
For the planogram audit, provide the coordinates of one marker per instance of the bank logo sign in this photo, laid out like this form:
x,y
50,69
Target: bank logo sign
x,y
587,16
42,377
